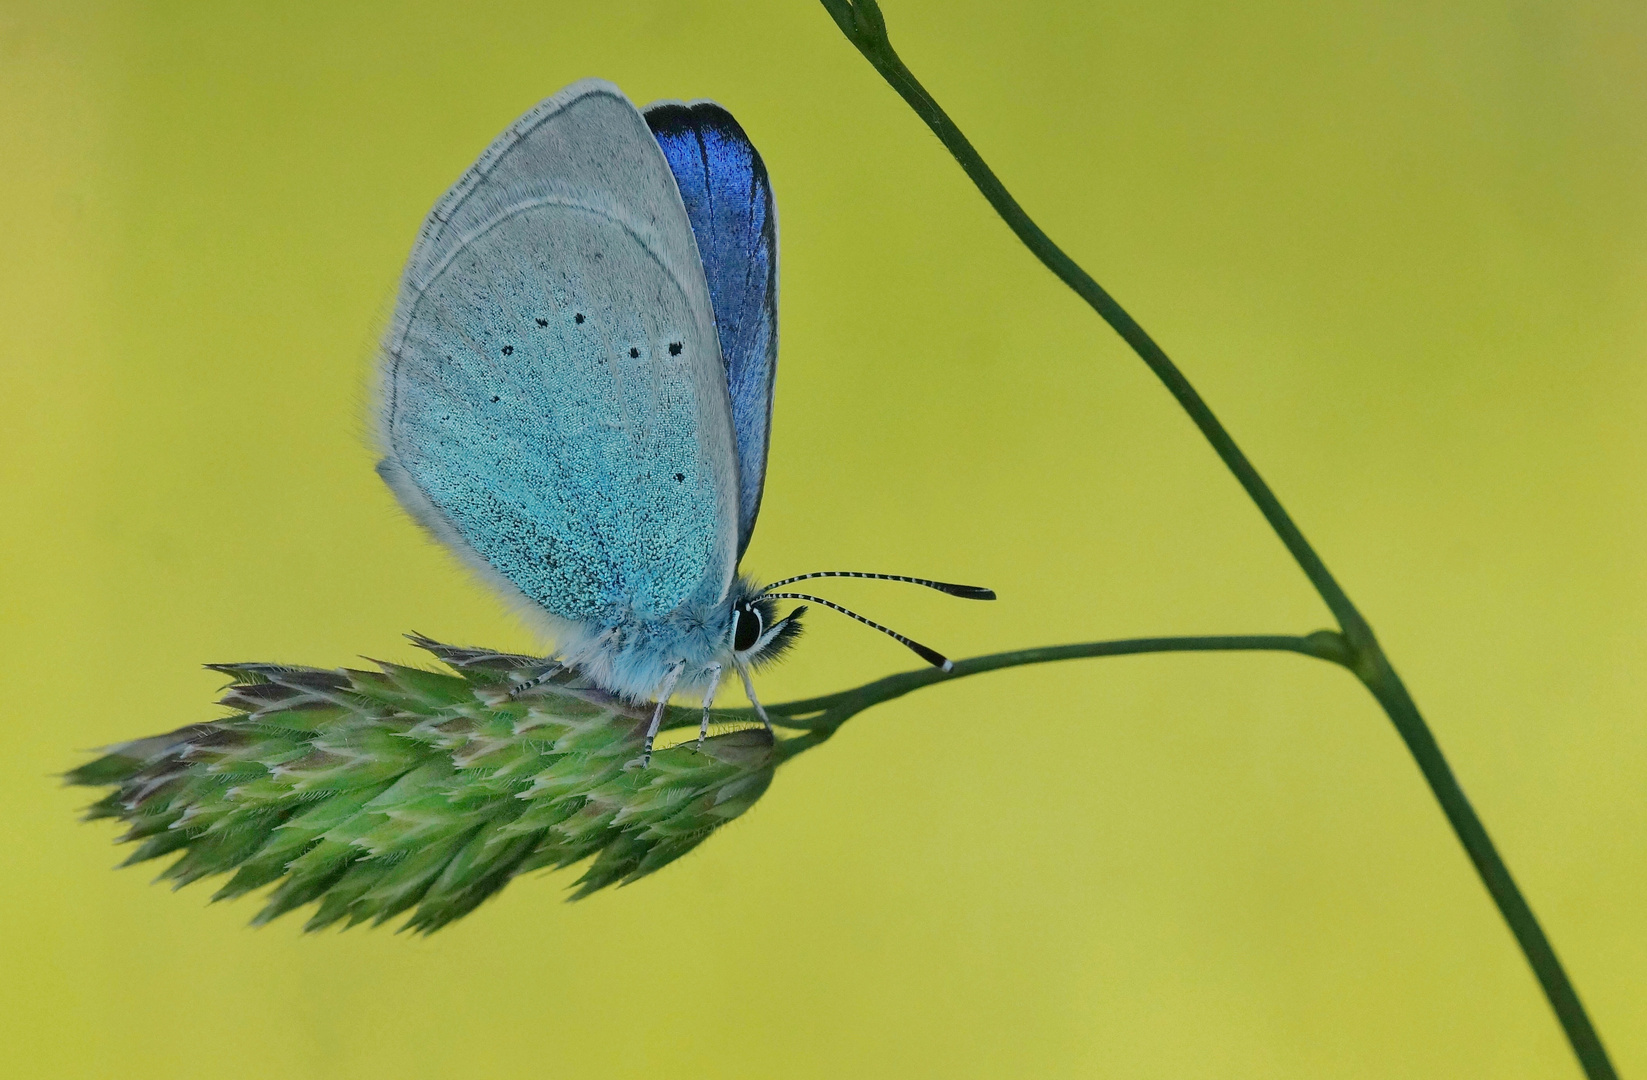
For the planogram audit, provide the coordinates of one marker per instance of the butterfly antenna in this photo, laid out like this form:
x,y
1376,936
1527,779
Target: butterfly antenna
x,y
931,656
965,592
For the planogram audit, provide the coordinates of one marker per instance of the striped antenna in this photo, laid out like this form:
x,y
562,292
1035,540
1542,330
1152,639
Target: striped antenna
x,y
931,656
965,592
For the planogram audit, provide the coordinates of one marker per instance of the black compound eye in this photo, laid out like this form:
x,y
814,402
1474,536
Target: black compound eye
x,y
746,628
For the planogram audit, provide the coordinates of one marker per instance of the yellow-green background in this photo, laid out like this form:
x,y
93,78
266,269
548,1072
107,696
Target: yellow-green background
x,y
1402,247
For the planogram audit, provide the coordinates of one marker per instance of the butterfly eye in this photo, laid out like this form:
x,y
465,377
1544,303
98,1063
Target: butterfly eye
x,y
746,628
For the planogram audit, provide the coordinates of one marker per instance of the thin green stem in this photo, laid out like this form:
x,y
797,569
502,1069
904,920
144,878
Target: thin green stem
x,y
863,25
832,710
1398,704
820,716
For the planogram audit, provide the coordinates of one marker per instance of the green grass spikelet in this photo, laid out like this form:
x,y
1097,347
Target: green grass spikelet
x,y
399,791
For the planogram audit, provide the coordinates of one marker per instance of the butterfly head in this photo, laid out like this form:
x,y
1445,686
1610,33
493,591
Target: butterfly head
x,y
759,635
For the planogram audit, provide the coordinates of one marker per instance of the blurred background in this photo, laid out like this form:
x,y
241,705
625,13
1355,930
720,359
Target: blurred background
x,y
1400,248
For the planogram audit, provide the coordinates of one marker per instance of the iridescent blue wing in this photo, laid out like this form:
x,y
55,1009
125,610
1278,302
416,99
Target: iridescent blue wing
x,y
553,404
729,200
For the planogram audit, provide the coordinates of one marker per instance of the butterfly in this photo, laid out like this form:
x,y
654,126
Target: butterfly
x,y
575,391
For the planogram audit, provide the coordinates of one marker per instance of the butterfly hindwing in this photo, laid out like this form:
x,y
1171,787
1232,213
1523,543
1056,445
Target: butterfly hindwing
x,y
728,198
553,400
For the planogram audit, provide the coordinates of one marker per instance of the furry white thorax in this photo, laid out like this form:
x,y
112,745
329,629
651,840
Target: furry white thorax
x,y
634,658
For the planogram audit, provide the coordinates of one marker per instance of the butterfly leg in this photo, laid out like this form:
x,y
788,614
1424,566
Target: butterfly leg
x,y
749,688
664,691
523,688
714,671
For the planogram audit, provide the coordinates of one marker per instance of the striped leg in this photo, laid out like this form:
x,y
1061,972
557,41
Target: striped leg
x,y
542,677
708,699
749,688
664,691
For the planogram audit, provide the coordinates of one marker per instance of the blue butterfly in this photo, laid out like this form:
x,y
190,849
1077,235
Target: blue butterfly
x,y
575,392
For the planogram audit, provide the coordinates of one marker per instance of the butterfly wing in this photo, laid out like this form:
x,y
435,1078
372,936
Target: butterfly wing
x,y
553,403
729,200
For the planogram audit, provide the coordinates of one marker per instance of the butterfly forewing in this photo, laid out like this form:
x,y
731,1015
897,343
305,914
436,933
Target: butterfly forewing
x,y
728,198
554,402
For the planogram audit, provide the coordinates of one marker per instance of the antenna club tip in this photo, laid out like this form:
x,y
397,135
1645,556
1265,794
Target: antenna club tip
x,y
947,666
